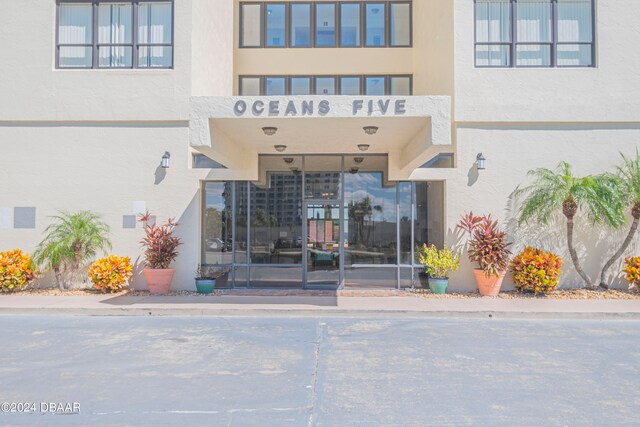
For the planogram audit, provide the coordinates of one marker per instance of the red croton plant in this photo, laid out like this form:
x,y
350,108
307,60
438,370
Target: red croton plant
x,y
488,245
161,246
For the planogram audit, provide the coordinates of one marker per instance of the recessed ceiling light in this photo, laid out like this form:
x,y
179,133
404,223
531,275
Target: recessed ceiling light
x,y
269,130
370,130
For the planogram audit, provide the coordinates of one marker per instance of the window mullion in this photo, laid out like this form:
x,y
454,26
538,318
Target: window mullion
x,y
514,33
134,35
554,35
94,35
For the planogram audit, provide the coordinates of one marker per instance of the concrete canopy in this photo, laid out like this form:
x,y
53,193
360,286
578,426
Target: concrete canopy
x,y
411,131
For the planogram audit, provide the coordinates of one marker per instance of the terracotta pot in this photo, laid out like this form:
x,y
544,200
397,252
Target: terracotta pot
x,y
489,286
159,280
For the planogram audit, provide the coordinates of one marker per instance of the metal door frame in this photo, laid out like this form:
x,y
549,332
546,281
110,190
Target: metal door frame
x,y
305,228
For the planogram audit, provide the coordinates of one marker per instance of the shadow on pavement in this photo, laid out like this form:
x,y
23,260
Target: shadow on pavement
x,y
326,299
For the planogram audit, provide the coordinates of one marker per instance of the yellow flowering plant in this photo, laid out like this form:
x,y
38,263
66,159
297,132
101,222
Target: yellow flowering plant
x,y
438,263
632,268
111,274
536,271
16,270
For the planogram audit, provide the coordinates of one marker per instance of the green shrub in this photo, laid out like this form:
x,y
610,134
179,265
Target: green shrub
x,y
438,263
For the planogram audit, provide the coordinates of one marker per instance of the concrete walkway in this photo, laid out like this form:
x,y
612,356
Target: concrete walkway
x,y
318,306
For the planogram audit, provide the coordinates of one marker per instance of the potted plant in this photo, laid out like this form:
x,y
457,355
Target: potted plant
x,y
489,248
208,276
161,248
438,264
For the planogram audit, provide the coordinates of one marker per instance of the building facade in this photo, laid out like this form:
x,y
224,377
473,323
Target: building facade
x,y
310,143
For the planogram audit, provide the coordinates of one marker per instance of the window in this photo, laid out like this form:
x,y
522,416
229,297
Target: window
x,y
350,24
115,40
401,85
300,86
375,86
275,25
301,25
375,24
75,35
397,85
575,33
251,29
325,24
353,23
200,161
274,86
325,85
350,85
534,33
103,34
399,30
250,86
155,49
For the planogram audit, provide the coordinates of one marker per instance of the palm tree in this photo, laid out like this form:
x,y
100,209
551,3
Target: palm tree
x,y
597,196
358,212
71,240
51,255
629,172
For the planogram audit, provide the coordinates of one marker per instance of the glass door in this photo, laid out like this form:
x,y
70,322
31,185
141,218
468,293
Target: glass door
x,y
323,243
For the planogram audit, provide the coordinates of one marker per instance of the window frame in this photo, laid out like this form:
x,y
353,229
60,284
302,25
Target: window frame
x,y
313,23
313,86
390,77
386,31
285,83
289,25
288,84
336,85
241,26
361,17
553,44
336,26
95,45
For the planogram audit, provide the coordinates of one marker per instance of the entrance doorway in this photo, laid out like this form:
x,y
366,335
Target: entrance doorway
x,y
320,221
324,237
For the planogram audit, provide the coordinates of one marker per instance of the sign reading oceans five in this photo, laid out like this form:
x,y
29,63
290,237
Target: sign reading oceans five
x,y
278,108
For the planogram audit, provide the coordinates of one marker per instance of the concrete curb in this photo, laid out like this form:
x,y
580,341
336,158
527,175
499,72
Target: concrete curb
x,y
221,312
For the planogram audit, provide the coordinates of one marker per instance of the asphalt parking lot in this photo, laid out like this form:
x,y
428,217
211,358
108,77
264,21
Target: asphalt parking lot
x,y
322,372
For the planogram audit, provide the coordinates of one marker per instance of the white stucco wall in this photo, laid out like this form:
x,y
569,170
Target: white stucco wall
x,y
608,93
103,168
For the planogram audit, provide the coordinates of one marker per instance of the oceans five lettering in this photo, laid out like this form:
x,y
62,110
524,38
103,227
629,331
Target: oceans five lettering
x,y
276,108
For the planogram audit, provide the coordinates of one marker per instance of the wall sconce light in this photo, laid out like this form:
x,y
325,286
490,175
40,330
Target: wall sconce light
x,y
288,160
370,130
354,170
295,171
269,130
165,160
480,162
358,160
280,148
363,147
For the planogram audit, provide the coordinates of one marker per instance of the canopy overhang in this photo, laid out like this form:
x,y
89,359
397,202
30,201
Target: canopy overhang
x,y
411,130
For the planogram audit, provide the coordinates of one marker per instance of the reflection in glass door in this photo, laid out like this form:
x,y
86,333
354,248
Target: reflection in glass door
x,y
323,244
